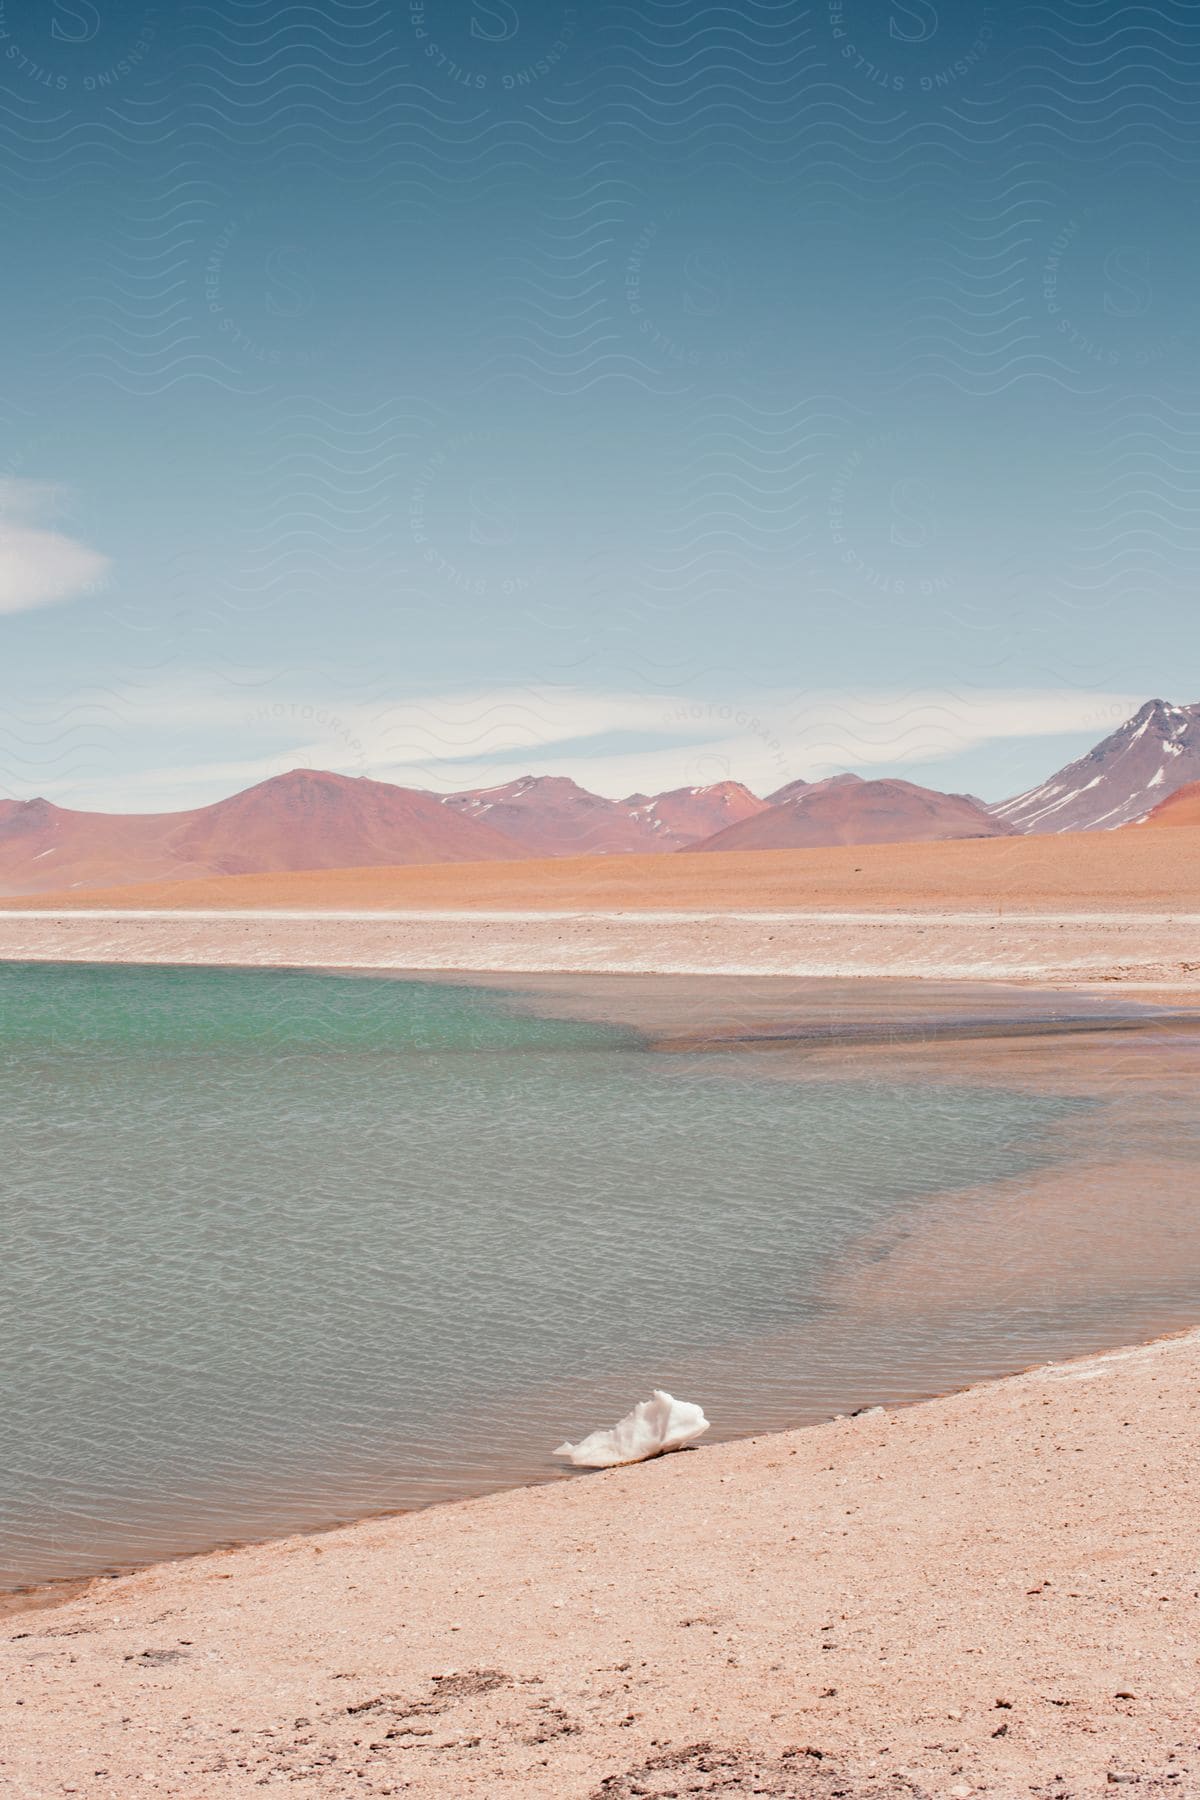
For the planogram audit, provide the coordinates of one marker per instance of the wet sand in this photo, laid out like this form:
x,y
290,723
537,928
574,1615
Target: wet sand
x,y
846,1014
1107,1232
994,1593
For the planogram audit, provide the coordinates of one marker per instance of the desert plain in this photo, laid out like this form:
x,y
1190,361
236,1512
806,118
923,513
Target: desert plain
x,y
1089,907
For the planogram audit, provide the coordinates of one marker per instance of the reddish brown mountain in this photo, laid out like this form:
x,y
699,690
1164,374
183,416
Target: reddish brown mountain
x,y
549,815
860,812
1120,780
685,815
303,820
792,790
1181,808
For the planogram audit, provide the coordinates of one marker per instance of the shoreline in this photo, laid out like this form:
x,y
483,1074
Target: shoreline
x,y
876,1595
1150,952
43,1596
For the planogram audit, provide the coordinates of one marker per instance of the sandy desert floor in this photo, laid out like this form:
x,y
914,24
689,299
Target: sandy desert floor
x,y
1085,872
993,1593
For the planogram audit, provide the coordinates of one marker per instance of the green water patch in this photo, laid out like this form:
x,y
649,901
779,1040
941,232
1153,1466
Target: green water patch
x,y
103,1006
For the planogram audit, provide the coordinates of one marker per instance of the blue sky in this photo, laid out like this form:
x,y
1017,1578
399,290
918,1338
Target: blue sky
x,y
644,393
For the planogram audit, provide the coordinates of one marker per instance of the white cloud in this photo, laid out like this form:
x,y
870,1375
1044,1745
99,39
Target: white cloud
x,y
659,740
38,565
763,739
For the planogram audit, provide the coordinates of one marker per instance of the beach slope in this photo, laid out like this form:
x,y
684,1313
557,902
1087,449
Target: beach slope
x,y
990,1593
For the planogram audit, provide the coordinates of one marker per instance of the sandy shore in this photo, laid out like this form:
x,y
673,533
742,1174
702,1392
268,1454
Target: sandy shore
x,y
1151,950
991,1593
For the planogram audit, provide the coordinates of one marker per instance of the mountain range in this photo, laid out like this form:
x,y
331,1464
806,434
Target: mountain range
x,y
312,819
552,816
307,819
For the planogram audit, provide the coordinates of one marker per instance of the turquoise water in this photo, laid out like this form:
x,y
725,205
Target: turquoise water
x,y
284,1247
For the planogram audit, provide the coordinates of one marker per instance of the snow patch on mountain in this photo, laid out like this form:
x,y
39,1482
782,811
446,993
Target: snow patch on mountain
x,y
1120,780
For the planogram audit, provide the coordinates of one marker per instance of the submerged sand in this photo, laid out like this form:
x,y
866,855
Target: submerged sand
x,y
990,1593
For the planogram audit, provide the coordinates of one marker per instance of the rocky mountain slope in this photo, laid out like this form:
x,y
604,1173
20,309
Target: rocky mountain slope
x,y
1123,778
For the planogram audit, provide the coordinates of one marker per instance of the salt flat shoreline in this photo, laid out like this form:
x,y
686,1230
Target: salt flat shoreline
x,y
993,1592
1154,951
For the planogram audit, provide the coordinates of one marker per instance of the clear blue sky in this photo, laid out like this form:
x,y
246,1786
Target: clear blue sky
x,y
647,393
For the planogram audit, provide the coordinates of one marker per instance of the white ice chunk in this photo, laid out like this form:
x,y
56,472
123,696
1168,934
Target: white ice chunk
x,y
653,1427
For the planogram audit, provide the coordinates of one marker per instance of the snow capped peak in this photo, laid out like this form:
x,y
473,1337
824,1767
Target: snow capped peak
x,y
1155,751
